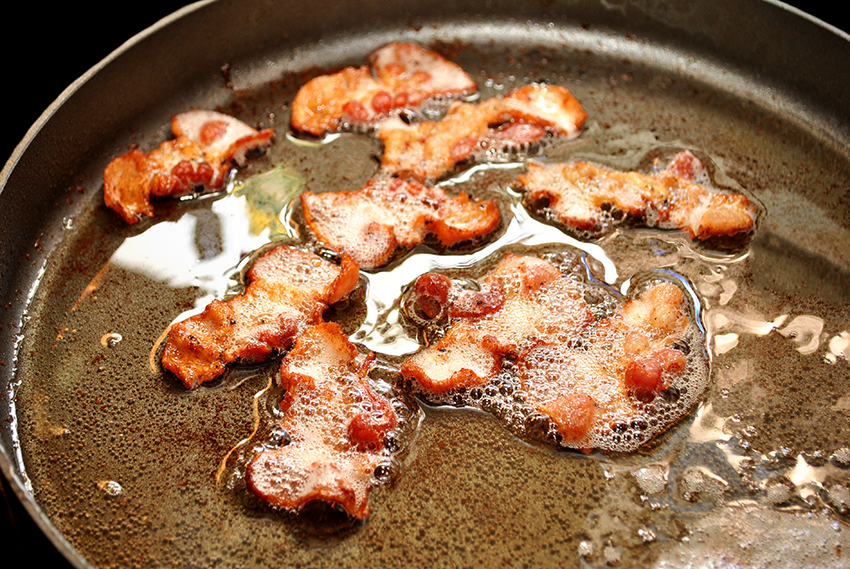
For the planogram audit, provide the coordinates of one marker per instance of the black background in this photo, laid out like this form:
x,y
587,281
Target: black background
x,y
44,49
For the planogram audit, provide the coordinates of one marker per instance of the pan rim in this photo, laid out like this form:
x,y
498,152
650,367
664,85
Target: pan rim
x,y
6,464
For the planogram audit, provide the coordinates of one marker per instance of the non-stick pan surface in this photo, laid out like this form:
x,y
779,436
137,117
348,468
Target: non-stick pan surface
x,y
754,460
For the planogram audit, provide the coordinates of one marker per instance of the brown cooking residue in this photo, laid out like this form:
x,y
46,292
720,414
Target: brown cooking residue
x,y
92,286
255,407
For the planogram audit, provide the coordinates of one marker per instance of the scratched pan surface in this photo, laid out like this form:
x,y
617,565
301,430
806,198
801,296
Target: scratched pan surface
x,y
119,464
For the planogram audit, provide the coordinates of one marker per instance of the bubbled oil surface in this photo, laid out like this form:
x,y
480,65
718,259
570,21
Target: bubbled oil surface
x,y
128,464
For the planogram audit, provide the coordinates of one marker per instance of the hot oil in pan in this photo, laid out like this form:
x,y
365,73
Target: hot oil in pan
x,y
118,452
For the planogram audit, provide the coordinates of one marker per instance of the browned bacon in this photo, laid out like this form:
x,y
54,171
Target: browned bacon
x,y
429,149
371,223
587,376
524,300
578,194
200,155
336,424
403,76
287,291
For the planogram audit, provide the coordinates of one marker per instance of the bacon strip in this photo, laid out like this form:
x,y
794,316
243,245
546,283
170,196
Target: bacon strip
x,y
427,150
287,291
336,424
405,76
523,300
200,155
577,195
371,223
586,375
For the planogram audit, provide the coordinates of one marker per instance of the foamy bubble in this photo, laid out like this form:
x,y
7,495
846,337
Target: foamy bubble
x,y
652,478
697,482
778,490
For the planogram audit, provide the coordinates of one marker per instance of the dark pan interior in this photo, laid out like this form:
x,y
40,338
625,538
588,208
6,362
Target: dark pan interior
x,y
764,457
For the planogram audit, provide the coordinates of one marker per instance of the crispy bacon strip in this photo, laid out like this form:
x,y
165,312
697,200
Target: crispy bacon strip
x,y
621,361
522,301
287,291
336,424
371,223
429,149
403,76
200,155
577,194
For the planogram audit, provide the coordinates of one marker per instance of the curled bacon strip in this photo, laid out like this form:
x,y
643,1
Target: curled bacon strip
x,y
200,155
405,76
429,149
577,194
336,425
287,291
371,223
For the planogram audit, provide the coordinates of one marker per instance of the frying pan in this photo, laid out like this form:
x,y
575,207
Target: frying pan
x,y
767,110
